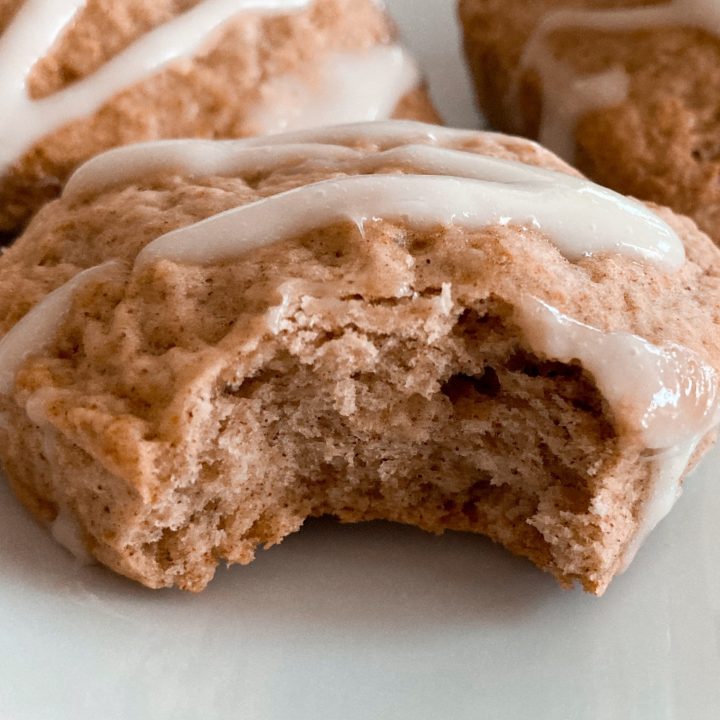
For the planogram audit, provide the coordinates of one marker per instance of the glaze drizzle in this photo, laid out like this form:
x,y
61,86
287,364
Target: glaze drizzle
x,y
567,96
380,76
39,24
446,186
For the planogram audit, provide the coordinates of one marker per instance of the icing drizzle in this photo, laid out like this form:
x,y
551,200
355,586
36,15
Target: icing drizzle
x,y
36,330
579,221
446,187
351,87
567,97
194,157
380,75
668,395
37,26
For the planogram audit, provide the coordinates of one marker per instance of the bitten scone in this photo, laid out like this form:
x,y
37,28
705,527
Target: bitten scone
x,y
205,343
81,76
626,90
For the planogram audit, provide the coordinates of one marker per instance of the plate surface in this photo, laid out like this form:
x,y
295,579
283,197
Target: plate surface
x,y
373,621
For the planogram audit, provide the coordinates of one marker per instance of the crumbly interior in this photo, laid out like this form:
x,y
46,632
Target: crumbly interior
x,y
659,145
186,414
358,410
467,432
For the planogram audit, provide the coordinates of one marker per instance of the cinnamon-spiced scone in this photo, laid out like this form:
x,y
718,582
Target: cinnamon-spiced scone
x,y
207,342
81,76
627,90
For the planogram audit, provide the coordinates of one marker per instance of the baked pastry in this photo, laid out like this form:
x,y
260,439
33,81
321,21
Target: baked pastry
x,y
82,76
626,90
207,342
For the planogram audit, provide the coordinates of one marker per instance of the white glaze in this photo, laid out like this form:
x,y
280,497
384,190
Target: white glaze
x,y
382,134
567,97
195,157
37,26
37,329
666,488
668,395
365,85
579,217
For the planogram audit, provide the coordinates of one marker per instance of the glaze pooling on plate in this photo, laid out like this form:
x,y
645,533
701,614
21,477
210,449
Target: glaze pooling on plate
x,y
567,96
381,76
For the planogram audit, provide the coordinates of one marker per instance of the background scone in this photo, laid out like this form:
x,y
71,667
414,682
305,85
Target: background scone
x,y
627,90
207,342
81,76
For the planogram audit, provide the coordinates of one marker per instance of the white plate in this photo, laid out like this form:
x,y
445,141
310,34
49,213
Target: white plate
x,y
373,621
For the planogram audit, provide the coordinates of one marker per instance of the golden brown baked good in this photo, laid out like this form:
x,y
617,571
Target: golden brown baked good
x,y
626,90
82,76
394,320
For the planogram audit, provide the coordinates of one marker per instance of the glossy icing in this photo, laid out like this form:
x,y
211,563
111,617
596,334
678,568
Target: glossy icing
x,y
446,186
361,85
349,87
567,97
131,163
38,25
579,221
668,395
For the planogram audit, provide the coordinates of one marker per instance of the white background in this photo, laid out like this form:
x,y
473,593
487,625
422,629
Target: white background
x,y
371,621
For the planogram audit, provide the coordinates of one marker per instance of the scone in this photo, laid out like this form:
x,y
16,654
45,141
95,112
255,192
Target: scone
x,y
626,90
208,342
81,76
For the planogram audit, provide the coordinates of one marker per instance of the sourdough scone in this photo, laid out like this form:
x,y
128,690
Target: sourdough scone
x,y
205,343
626,90
81,76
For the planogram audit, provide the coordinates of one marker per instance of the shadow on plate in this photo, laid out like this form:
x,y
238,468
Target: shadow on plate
x,y
361,575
